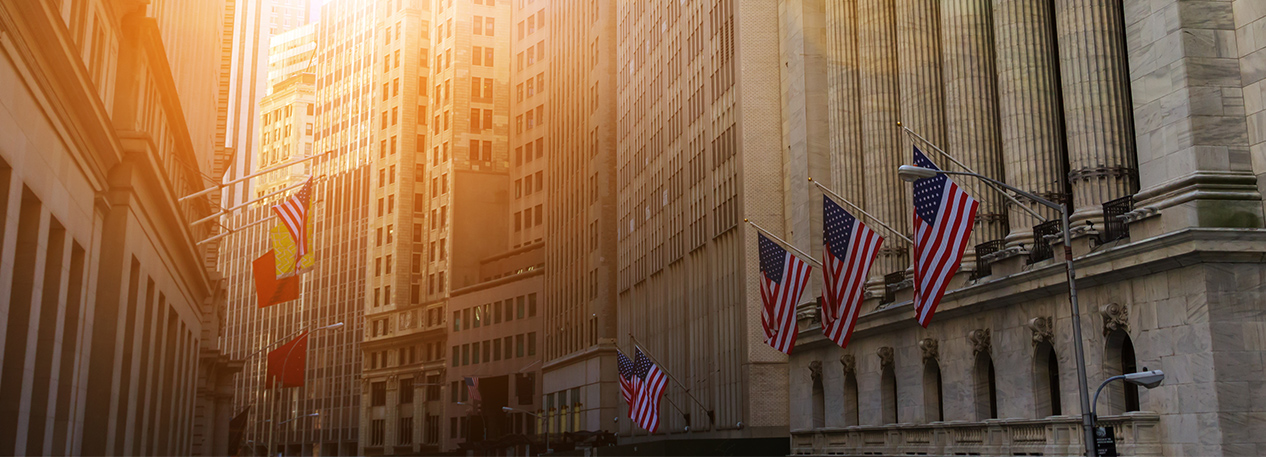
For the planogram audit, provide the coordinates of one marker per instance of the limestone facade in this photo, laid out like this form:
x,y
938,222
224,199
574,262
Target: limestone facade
x,y
110,316
1095,101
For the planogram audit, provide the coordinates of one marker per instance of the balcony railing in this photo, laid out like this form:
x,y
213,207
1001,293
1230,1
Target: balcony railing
x,y
1114,225
984,267
1041,244
1137,434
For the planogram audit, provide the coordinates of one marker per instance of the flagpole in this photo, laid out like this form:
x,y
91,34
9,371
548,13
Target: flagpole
x,y
851,205
711,415
969,170
785,243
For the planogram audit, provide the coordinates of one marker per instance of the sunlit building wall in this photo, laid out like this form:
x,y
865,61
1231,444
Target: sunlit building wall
x,y
404,338
291,52
110,314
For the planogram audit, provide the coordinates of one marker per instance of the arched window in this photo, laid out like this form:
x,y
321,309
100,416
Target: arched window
x,y
1046,380
933,407
986,389
850,399
1118,359
888,395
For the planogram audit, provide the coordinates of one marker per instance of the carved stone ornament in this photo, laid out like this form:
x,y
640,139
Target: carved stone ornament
x,y
1043,329
849,363
981,341
930,348
1115,317
885,356
815,370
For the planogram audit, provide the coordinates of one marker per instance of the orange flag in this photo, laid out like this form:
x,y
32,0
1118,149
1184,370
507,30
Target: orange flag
x,y
268,289
288,362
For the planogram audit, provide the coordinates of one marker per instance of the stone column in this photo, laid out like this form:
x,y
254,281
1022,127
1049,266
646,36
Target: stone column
x,y
1097,107
885,195
971,107
392,419
844,103
1029,107
922,87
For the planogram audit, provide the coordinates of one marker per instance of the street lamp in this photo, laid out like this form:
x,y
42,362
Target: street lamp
x,y
272,429
538,416
911,173
1149,379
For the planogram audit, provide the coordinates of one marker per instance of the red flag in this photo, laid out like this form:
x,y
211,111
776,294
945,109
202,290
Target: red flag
x,y
268,289
288,362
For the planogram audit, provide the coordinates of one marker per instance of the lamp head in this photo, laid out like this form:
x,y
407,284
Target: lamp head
x,y
507,409
1149,379
911,173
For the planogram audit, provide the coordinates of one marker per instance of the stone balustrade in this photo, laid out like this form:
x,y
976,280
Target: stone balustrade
x,y
1136,434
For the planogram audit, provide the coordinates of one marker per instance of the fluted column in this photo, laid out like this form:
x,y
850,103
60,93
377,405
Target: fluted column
x,y
885,194
1097,108
922,84
971,106
844,102
1029,107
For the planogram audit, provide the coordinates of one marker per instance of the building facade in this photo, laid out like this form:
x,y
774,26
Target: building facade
x,y
110,310
579,374
495,338
1130,112
700,89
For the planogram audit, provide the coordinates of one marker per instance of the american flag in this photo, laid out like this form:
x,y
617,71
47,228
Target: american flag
x,y
293,213
626,379
943,218
472,385
783,277
850,249
650,382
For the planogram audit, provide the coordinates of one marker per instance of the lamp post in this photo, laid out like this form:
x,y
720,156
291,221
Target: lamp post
x,y
1149,379
911,173
272,428
538,416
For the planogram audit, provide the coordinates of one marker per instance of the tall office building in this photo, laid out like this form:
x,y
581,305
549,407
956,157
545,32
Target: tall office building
x,y
317,91
496,321
1164,275
698,126
109,311
403,341
580,320
439,203
289,53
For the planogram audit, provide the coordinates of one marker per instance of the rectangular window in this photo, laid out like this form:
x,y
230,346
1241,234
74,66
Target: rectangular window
x,y
531,344
474,149
474,349
406,391
475,86
531,305
487,155
519,306
378,394
479,25
518,345
475,125
476,55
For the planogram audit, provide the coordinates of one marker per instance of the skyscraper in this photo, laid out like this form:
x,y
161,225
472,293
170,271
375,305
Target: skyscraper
x,y
439,200
403,339
580,320
698,128
316,90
